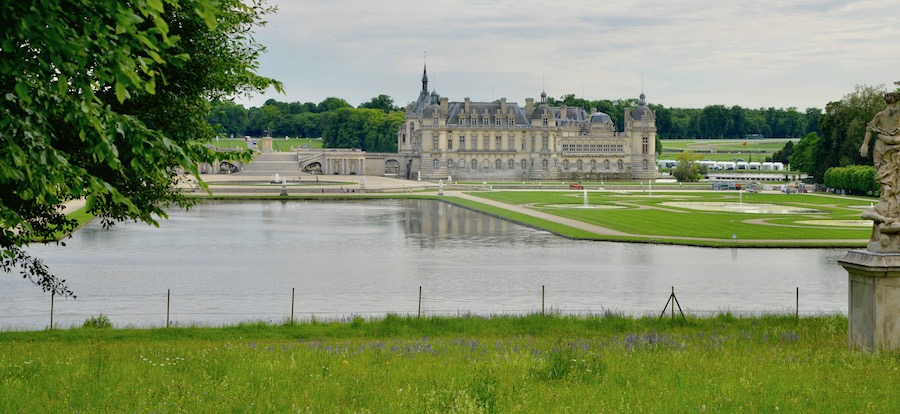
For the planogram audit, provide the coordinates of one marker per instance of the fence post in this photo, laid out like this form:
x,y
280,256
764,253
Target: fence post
x,y
292,306
168,305
52,297
419,314
798,305
542,300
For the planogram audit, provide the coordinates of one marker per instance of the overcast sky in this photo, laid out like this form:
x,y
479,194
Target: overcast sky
x,y
684,53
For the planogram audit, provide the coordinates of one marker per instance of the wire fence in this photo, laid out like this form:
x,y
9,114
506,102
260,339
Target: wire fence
x,y
173,309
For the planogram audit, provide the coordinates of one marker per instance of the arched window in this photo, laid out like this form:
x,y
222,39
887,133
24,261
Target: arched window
x,y
486,164
498,164
511,163
474,164
579,164
449,163
621,165
545,164
645,164
524,164
434,163
605,164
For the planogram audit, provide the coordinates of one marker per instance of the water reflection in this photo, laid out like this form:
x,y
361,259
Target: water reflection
x,y
232,261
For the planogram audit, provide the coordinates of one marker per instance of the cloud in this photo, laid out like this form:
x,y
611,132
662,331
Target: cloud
x,y
689,53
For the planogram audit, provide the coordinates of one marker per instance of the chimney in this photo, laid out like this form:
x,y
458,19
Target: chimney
x,y
529,107
502,106
467,107
563,110
445,105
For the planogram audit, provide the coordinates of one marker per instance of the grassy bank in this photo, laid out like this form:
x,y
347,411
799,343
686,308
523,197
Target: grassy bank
x,y
501,364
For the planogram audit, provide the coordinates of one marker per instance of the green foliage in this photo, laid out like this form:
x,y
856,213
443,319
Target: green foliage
x,y
855,179
100,321
686,167
107,102
843,128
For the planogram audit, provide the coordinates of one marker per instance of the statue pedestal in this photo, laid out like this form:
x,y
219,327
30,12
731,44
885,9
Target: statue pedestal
x,y
874,295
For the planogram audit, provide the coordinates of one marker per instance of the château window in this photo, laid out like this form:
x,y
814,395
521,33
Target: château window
x,y
486,143
621,165
565,164
605,164
450,143
545,144
498,142
474,164
449,163
511,164
435,143
579,164
645,164
462,142
645,145
524,164
545,164
434,121
434,163
544,121
498,164
593,165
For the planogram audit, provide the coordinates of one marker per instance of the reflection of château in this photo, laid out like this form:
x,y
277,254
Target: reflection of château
x,y
502,140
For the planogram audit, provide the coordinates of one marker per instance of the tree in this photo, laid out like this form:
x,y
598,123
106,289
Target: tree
x,y
107,102
382,102
686,167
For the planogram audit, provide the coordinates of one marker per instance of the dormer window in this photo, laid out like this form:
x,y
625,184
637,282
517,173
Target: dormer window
x,y
544,121
434,121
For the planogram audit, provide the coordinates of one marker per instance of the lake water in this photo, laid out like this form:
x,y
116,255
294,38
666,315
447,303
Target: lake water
x,y
226,262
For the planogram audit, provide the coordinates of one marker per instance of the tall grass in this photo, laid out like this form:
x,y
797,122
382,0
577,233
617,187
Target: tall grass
x,y
443,365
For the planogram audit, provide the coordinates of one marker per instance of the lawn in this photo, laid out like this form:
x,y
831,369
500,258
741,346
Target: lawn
x,y
600,363
827,220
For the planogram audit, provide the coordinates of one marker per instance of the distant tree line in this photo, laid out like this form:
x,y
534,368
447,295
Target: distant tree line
x,y
371,127
713,121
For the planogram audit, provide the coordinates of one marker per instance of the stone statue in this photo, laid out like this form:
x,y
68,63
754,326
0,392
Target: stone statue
x,y
886,158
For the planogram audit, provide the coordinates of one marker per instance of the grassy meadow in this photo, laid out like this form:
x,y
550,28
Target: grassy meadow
x,y
663,216
279,144
725,149
502,364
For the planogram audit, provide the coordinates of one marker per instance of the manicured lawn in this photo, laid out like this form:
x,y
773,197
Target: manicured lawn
x,y
639,213
509,364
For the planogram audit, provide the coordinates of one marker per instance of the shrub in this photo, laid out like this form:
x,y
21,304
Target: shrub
x,y
100,321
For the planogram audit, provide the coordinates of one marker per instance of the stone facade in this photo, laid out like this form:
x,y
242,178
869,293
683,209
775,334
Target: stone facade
x,y
504,141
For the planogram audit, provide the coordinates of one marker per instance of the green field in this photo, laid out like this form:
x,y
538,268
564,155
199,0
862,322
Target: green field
x,y
503,364
278,144
828,221
725,149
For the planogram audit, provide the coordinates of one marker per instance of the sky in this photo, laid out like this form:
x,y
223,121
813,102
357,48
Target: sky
x,y
681,53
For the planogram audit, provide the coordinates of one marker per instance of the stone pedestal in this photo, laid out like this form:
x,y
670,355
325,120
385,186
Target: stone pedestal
x,y
874,296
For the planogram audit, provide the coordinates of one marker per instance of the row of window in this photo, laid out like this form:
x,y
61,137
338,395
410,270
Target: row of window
x,y
524,164
486,141
593,148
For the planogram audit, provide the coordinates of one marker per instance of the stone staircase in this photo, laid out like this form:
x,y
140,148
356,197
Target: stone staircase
x,y
284,164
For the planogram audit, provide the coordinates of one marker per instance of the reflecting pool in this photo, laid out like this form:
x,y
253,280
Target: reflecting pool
x,y
226,262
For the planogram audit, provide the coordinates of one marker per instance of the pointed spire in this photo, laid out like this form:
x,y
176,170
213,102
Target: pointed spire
x,y
425,74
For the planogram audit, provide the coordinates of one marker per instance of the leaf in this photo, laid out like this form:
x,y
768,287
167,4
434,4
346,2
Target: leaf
x,y
22,91
156,5
121,92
